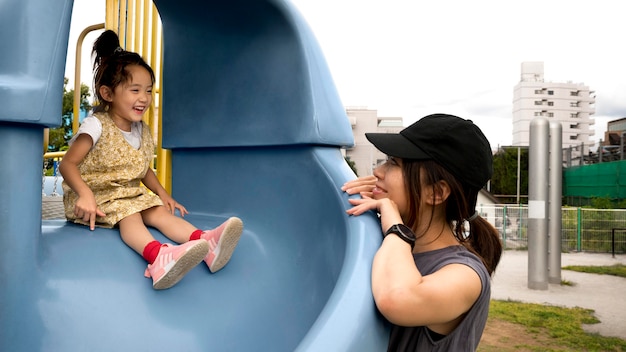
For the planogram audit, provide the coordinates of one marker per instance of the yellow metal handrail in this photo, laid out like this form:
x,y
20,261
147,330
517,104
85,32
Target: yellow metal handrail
x,y
54,155
77,66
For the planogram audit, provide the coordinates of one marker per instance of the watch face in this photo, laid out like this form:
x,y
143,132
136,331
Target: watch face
x,y
402,231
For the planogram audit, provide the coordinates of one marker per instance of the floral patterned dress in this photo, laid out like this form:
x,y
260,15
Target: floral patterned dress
x,y
113,169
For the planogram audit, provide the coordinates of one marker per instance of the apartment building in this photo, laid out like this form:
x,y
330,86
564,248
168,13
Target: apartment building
x,y
363,153
615,132
573,104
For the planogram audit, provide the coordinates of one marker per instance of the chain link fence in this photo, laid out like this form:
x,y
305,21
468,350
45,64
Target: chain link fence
x,y
582,229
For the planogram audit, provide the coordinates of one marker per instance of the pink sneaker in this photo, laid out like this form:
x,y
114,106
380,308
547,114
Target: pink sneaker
x,y
222,242
173,262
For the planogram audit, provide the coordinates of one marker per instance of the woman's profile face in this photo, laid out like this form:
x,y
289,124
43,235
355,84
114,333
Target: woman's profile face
x,y
390,184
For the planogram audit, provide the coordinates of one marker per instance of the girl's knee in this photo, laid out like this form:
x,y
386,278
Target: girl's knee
x,y
155,214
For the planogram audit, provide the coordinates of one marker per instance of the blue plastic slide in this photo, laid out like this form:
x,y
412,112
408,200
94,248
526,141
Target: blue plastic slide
x,y
255,126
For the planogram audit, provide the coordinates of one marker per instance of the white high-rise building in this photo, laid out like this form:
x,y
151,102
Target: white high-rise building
x,y
363,120
573,104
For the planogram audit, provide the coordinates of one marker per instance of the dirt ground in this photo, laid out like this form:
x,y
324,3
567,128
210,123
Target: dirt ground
x,y
500,335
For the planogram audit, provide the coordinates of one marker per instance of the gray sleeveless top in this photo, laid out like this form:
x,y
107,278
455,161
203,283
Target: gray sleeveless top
x,y
464,337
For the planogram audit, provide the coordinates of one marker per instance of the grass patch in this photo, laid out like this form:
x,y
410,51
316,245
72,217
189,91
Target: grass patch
x,y
615,270
543,328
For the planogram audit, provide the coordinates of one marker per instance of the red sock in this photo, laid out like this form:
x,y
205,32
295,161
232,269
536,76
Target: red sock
x,y
195,235
151,250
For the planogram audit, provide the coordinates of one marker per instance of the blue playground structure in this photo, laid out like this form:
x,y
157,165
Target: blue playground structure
x,y
255,127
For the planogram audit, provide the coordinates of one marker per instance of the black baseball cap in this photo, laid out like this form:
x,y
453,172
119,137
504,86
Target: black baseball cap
x,y
455,143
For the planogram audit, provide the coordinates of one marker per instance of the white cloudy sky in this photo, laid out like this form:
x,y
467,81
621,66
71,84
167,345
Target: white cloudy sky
x,y
410,58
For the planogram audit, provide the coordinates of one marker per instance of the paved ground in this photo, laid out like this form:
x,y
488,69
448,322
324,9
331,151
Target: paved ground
x,y
52,208
605,294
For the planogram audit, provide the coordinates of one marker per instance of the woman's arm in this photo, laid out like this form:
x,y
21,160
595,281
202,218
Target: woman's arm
x,y
401,293
407,298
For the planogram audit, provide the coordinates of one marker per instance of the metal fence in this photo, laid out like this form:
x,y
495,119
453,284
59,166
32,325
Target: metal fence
x,y
582,229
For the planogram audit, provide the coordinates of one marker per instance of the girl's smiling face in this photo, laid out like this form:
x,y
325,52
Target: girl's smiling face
x,y
131,99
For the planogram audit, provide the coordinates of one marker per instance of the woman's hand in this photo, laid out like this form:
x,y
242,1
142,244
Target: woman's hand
x,y
171,205
388,210
362,185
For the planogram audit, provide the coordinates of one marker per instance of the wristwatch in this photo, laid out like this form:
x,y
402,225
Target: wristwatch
x,y
404,232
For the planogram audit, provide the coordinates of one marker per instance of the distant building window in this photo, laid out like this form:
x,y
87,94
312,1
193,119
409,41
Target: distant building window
x,y
550,103
550,92
573,138
544,113
574,115
574,94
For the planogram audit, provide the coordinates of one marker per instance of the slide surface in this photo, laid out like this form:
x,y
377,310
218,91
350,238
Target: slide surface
x,y
255,126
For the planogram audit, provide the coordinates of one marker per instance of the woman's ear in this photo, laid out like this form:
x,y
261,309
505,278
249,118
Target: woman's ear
x,y
439,192
106,93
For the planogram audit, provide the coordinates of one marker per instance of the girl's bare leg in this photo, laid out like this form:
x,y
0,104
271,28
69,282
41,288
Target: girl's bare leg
x,y
134,232
173,227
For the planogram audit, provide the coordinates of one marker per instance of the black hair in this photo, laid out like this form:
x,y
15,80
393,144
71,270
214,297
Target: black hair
x,y
109,64
481,238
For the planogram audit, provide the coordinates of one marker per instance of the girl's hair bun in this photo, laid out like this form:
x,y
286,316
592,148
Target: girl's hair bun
x,y
105,46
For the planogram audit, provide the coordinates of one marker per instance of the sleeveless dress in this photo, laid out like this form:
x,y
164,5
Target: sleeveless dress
x,y
113,170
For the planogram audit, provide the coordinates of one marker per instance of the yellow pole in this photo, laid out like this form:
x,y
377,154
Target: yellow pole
x,y
111,14
164,156
122,22
77,65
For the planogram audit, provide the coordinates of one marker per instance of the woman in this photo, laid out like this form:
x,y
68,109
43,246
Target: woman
x,y
431,275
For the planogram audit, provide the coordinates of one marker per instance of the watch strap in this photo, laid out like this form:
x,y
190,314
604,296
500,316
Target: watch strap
x,y
404,232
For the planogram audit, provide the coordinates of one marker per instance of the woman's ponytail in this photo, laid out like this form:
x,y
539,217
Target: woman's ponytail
x,y
485,240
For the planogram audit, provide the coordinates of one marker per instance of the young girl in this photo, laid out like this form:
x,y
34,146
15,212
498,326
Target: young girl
x,y
431,275
108,159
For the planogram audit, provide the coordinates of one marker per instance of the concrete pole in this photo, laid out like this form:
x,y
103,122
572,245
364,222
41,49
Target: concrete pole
x,y
554,202
582,154
519,162
537,204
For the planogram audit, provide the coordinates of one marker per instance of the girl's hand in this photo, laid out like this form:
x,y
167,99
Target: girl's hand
x,y
362,185
87,210
171,205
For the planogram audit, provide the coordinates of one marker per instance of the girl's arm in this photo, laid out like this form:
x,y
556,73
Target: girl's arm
x,y
85,207
152,182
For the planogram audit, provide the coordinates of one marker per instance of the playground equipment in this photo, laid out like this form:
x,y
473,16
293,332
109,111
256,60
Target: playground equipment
x,y
255,126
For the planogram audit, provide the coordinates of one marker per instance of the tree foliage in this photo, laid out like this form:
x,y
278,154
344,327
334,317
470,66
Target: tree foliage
x,y
504,179
58,137
352,165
